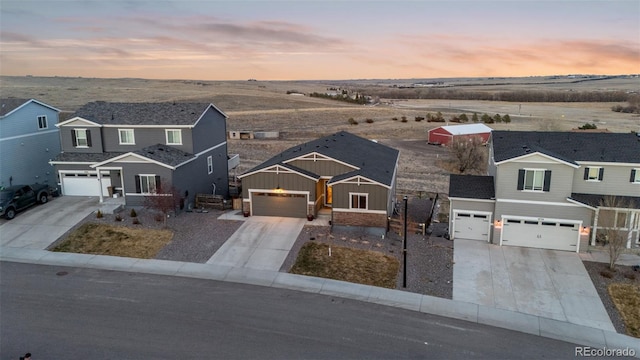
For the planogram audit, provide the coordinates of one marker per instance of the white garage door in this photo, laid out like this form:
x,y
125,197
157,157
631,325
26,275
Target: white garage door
x,y
541,233
471,225
83,184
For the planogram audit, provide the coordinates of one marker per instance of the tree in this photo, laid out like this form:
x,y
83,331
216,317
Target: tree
x,y
463,118
497,118
487,119
474,118
506,118
588,126
468,153
165,200
612,220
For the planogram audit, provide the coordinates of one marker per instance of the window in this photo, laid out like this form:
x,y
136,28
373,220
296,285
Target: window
x,y
593,173
126,137
534,179
42,122
147,184
358,201
174,136
209,164
81,137
635,176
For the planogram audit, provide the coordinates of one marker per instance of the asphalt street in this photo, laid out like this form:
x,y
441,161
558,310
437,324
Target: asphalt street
x,y
72,313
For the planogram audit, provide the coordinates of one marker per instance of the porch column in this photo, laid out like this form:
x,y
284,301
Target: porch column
x,y
594,227
100,185
632,218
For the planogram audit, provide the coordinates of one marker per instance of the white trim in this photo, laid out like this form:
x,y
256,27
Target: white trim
x,y
207,109
529,218
597,179
278,169
209,149
28,102
71,163
41,132
210,164
603,163
518,158
46,122
358,182
144,160
319,156
133,136
532,202
77,118
130,126
166,136
366,197
86,137
155,185
470,199
454,212
581,204
524,183
359,210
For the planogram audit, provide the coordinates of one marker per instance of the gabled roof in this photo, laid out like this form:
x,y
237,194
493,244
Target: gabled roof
x,y
372,160
471,187
570,147
150,114
467,129
165,154
9,105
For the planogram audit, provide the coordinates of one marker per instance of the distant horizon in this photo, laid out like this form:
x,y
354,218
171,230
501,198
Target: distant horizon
x,y
318,39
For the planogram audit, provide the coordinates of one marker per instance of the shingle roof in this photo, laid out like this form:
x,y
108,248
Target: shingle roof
x,y
471,186
86,157
595,200
376,161
165,154
166,113
8,105
567,146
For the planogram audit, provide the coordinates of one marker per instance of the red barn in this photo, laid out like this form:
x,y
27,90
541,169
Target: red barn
x,y
444,134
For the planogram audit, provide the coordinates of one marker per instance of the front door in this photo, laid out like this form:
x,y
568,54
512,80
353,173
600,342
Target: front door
x,y
328,193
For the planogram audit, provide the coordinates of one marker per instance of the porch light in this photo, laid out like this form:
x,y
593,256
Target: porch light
x,y
497,224
279,190
584,230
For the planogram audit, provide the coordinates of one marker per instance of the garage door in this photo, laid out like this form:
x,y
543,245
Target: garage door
x,y
471,225
84,184
541,233
279,204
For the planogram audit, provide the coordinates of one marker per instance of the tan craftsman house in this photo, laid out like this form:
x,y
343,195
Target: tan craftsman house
x,y
354,178
546,190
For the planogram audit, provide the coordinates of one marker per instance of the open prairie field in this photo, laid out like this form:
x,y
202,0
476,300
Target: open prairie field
x,y
265,105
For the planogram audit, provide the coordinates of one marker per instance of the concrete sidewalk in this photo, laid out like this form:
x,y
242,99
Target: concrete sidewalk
x,y
546,283
481,314
261,243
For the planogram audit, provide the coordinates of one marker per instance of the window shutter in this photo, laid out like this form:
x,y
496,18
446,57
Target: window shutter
x,y
521,179
633,175
601,174
586,173
73,138
158,185
138,191
547,180
88,138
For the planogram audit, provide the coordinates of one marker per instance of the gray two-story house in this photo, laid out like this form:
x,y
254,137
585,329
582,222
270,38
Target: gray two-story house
x,y
136,150
547,190
28,141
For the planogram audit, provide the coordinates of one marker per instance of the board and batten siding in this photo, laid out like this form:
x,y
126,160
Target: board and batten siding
x,y
378,195
67,134
129,172
25,149
270,181
568,211
322,167
194,176
616,180
144,137
559,189
210,131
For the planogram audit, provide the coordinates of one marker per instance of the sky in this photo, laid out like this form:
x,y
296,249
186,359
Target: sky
x,y
318,40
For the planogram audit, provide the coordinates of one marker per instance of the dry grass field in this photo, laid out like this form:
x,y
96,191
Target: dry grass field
x,y
265,105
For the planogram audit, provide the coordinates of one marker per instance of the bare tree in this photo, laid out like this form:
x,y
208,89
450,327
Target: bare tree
x,y
165,200
612,223
469,153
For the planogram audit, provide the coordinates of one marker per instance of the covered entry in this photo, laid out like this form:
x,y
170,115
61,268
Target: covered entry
x,y
471,225
279,203
554,234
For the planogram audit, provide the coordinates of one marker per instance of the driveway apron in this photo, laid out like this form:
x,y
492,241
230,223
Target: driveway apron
x,y
261,243
547,283
41,225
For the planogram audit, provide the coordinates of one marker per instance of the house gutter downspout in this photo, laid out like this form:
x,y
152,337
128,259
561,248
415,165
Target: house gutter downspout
x,y
595,227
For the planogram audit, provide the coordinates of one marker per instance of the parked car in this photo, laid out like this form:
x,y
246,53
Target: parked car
x,y
19,197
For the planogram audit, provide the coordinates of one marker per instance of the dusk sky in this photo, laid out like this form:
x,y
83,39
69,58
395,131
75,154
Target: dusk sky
x,y
298,40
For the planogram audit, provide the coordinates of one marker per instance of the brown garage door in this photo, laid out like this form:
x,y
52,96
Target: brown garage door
x,y
279,204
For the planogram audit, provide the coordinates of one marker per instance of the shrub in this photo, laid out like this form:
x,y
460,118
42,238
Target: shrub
x,y
158,217
606,274
419,118
118,217
630,276
394,118
369,121
404,119
587,126
352,121
133,213
136,221
99,214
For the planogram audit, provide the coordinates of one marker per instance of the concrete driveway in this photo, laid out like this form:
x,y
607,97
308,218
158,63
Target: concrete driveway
x,y
547,283
261,243
41,225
